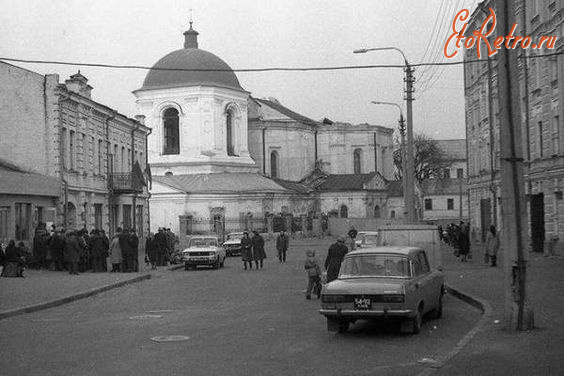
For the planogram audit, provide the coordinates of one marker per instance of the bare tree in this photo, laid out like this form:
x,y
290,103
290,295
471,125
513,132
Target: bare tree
x,y
430,159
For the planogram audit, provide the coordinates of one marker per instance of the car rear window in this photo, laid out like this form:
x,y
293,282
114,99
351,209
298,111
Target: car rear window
x,y
375,265
203,243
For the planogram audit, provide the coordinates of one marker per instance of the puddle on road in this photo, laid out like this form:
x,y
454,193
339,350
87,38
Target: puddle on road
x,y
173,338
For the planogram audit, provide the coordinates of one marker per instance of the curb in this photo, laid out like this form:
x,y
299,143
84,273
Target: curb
x,y
70,298
483,306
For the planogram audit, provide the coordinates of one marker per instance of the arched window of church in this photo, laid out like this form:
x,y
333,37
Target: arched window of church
x,y
171,143
344,211
274,164
229,132
357,158
376,211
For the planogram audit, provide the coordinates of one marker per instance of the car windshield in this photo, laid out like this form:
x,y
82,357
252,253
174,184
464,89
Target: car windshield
x,y
234,236
375,265
203,243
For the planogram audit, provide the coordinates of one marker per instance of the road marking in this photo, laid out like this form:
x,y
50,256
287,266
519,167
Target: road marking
x,y
161,311
173,338
141,317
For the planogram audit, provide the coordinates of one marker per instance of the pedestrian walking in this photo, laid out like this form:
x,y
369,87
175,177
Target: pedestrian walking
x,y
313,271
126,266
335,255
258,249
463,242
160,244
282,244
106,254
246,250
492,246
116,257
151,251
40,245
133,261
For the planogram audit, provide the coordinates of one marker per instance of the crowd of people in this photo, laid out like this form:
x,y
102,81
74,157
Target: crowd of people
x,y
78,251
458,237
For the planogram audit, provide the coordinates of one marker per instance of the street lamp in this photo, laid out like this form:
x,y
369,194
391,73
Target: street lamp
x,y
408,175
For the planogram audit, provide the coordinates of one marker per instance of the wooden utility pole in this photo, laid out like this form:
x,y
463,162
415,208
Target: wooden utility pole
x,y
518,314
409,173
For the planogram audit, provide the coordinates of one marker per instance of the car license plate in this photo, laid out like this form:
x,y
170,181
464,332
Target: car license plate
x,y
362,303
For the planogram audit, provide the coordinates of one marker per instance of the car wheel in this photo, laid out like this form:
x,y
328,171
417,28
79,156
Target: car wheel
x,y
417,321
438,312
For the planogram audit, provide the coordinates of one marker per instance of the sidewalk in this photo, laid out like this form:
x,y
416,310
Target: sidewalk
x,y
494,350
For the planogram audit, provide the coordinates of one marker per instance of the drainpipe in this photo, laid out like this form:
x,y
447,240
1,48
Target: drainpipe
x,y
375,154
264,151
132,163
109,171
315,146
62,98
146,164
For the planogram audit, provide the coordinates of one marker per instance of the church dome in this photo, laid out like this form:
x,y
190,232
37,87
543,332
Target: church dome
x,y
203,68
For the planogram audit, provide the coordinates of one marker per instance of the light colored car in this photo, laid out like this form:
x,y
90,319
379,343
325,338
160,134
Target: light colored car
x,y
232,244
383,282
203,250
366,239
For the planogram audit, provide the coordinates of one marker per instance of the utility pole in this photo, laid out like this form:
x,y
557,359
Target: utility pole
x,y
518,315
409,173
402,129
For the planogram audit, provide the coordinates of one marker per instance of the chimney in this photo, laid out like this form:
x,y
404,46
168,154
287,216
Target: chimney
x,y
78,84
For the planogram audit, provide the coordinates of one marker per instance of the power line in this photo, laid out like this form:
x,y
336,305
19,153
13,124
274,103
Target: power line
x,y
270,69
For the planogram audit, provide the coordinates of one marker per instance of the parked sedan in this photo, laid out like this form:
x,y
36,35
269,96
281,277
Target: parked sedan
x,y
232,244
383,283
203,250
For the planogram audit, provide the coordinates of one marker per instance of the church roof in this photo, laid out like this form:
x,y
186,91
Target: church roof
x,y
352,182
191,66
286,111
221,183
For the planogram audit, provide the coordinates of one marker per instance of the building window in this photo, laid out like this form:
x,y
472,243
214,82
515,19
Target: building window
x,y
127,217
541,151
446,173
357,160
129,164
376,211
450,204
23,221
229,133
460,173
393,214
428,204
171,133
100,157
98,216
344,211
72,146
115,156
123,160
556,135
274,164
4,212
64,149
139,220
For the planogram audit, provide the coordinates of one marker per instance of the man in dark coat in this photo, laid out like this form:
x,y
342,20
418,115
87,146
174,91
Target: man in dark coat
x,y
57,246
282,244
40,243
247,250
72,251
335,256
258,249
151,251
97,251
125,251
160,244
134,251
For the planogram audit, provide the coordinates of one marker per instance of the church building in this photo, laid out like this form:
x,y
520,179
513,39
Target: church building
x,y
223,161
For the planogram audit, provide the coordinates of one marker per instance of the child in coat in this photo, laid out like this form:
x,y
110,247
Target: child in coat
x,y
314,274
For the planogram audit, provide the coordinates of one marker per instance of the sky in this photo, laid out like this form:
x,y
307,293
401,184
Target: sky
x,y
257,34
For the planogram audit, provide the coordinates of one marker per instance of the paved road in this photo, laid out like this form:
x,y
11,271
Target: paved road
x,y
238,322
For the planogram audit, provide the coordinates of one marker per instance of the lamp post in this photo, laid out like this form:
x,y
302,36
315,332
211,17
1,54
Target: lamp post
x,y
408,176
403,152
